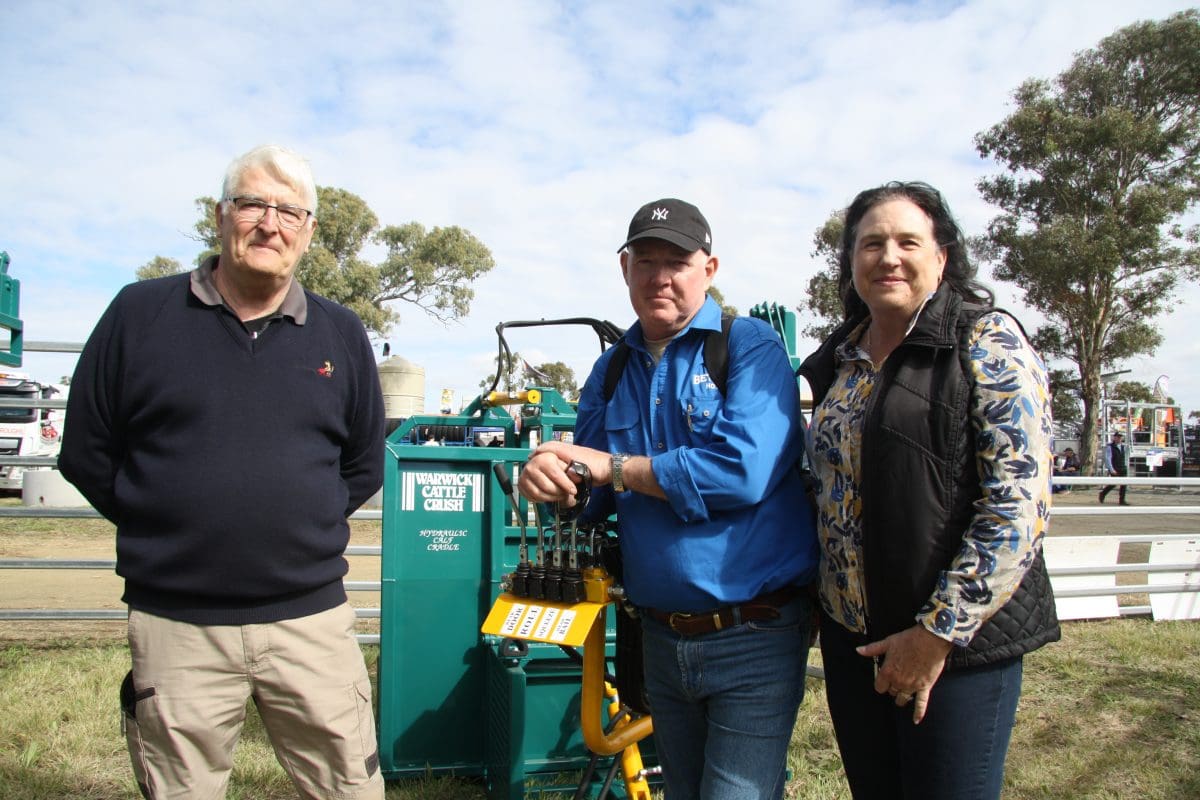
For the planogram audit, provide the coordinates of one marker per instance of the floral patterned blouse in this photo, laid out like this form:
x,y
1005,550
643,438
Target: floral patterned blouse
x,y
1012,399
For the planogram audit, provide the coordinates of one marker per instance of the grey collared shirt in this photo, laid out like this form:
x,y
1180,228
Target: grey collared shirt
x,y
294,305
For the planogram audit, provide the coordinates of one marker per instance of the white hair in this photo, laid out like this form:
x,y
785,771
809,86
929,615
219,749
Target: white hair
x,y
281,163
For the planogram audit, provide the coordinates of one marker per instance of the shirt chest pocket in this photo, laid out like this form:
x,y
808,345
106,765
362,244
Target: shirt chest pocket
x,y
623,428
698,415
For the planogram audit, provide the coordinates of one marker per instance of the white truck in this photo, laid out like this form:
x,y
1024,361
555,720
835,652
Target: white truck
x,y
27,431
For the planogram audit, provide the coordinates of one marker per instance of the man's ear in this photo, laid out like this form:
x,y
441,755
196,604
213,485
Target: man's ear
x,y
624,258
312,229
710,271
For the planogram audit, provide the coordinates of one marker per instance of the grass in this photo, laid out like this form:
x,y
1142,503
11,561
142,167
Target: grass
x,y
1112,711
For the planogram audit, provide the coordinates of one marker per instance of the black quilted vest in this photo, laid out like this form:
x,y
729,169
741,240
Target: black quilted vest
x,y
920,482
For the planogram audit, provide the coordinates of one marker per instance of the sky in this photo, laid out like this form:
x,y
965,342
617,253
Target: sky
x,y
540,127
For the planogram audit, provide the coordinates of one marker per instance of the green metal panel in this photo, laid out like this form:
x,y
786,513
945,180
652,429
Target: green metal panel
x,y
441,510
783,320
533,721
10,309
452,700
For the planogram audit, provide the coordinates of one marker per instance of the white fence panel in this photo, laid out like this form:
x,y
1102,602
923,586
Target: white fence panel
x,y
1083,551
1176,605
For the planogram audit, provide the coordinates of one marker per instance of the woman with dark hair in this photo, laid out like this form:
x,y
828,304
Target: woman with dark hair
x,y
931,438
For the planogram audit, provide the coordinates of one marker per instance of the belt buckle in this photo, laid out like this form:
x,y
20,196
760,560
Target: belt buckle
x,y
686,617
678,615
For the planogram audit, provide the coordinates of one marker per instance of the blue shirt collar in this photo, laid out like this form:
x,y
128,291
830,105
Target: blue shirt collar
x,y
708,318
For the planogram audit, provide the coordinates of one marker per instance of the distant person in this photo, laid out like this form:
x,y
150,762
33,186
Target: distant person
x,y
1066,464
1116,464
227,421
715,527
931,440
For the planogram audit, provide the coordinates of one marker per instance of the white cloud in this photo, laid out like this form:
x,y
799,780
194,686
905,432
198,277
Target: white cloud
x,y
539,127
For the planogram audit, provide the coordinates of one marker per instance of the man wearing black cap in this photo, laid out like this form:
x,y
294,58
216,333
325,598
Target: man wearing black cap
x,y
716,533
1116,463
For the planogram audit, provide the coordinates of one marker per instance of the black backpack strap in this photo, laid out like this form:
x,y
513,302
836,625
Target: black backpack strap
x,y
716,353
716,359
616,368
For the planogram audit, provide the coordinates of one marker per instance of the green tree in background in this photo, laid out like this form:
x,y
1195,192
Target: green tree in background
x,y
430,268
558,376
1133,391
511,374
823,305
1064,398
519,374
158,267
1102,164
205,229
719,299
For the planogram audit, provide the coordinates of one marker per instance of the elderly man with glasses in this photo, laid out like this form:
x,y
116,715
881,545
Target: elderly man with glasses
x,y
228,422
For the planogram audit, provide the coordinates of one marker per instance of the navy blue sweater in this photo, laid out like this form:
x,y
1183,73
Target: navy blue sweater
x,y
228,463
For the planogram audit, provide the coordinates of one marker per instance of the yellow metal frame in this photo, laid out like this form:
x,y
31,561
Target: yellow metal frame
x,y
582,624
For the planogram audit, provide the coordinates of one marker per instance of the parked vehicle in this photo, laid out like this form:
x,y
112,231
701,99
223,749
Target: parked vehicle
x,y
27,431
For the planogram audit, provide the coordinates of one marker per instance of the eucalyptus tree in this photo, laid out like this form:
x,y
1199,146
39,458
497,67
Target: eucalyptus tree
x,y
1103,165
430,268
823,304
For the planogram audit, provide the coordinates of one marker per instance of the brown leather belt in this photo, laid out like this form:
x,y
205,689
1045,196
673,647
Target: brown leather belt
x,y
765,606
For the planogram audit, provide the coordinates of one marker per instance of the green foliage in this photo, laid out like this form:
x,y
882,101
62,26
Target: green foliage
x,y
345,223
511,374
1064,397
206,232
823,305
431,269
1102,164
719,299
158,267
518,375
558,376
1133,391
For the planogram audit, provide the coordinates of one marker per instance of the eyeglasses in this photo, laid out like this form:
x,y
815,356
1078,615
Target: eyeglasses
x,y
251,209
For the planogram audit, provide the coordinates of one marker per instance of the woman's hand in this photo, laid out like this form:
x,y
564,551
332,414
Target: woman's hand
x,y
912,662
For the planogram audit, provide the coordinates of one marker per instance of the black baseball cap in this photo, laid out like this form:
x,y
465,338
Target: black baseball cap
x,y
673,221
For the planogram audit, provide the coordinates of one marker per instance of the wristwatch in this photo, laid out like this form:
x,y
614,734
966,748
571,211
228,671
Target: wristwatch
x,y
618,476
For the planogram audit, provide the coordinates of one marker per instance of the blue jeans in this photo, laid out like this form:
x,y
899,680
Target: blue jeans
x,y
956,753
724,704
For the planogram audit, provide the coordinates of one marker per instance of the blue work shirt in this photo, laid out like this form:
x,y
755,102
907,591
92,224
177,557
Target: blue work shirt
x,y
736,521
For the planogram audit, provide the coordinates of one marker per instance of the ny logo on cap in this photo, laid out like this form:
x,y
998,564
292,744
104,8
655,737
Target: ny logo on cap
x,y
659,213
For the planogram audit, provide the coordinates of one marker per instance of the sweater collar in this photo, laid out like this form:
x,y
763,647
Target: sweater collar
x,y
294,305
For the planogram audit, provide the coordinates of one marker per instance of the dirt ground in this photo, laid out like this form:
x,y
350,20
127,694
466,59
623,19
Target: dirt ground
x,y
101,588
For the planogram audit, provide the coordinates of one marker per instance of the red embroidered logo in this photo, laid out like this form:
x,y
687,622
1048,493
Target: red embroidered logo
x,y
326,371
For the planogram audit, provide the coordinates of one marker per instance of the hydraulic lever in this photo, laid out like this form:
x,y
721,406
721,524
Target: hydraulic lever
x,y
572,581
520,578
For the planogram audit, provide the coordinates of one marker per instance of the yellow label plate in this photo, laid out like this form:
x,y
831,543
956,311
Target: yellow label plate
x,y
541,620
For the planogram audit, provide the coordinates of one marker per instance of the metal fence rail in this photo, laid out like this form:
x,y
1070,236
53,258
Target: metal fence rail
x,y
57,614
1190,585
108,565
